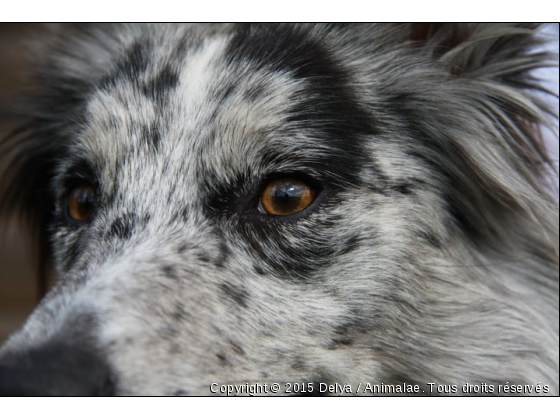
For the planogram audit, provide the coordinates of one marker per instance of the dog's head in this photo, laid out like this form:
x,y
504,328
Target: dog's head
x,y
271,203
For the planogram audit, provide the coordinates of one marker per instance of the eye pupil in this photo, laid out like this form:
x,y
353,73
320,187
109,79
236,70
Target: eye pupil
x,y
284,197
81,202
287,196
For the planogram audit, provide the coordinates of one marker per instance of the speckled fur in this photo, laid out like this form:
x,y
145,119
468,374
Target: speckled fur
x,y
430,254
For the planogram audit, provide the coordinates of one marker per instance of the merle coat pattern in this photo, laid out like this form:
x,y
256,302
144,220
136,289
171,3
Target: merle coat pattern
x,y
430,253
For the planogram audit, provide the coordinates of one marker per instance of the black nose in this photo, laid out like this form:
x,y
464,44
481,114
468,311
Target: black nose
x,y
55,370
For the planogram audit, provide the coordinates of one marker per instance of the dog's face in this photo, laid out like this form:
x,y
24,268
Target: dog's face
x,y
265,204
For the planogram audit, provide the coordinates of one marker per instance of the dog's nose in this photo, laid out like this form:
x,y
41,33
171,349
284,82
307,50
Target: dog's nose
x,y
55,370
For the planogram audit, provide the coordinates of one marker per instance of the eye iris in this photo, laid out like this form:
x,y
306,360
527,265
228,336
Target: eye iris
x,y
80,203
286,196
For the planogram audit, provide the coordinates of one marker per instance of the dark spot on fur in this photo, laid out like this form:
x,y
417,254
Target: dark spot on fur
x,y
226,92
258,269
255,92
222,359
134,63
203,257
344,333
74,251
170,272
179,392
145,220
236,347
429,238
377,179
179,313
122,227
404,188
181,48
374,188
183,248
351,244
337,342
461,218
236,293
374,170
223,254
151,135
158,88
222,94
298,364
183,214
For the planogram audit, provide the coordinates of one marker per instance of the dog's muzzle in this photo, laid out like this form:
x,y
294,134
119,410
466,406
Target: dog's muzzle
x,y
55,369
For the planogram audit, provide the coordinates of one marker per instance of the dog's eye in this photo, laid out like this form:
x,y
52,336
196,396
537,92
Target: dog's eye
x,y
80,203
286,196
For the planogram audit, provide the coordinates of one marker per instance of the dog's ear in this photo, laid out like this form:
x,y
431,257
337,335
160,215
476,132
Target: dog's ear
x,y
65,62
503,58
485,50
488,112
62,61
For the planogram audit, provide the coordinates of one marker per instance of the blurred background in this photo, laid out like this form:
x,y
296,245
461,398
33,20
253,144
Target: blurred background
x,y
18,280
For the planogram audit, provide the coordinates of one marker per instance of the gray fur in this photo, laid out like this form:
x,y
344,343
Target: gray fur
x,y
431,256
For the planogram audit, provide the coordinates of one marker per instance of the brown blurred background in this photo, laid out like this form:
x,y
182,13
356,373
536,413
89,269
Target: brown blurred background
x,y
18,280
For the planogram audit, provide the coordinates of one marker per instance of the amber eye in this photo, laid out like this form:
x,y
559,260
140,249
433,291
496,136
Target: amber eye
x,y
80,203
286,196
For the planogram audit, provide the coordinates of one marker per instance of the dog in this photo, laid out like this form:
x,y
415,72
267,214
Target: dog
x,y
359,209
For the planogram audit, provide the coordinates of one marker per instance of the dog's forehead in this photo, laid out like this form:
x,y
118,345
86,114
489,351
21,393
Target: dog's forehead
x,y
226,109
178,112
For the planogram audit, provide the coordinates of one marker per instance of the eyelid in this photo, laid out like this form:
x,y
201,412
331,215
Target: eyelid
x,y
79,172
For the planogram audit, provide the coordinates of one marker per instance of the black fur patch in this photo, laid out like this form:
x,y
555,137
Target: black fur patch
x,y
255,92
224,252
258,269
222,359
170,272
122,227
351,244
429,238
130,67
73,254
337,342
151,134
328,112
236,347
404,188
329,109
273,241
236,293
158,88
183,248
